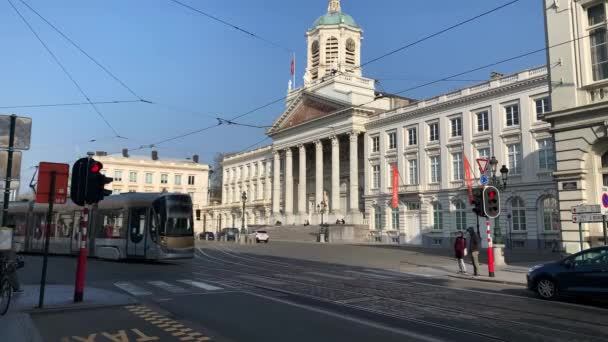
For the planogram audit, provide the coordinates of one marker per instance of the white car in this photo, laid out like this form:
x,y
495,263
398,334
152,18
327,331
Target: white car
x,y
261,236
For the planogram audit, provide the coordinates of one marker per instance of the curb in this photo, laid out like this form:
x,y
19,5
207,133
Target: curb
x,y
486,280
64,308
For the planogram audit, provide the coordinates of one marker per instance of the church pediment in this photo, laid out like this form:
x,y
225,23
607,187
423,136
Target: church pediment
x,y
307,107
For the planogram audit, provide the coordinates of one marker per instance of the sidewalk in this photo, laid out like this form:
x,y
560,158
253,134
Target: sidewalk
x,y
17,325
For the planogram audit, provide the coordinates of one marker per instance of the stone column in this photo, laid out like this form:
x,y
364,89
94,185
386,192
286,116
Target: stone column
x,y
288,182
224,195
302,186
335,174
319,172
276,188
260,188
268,185
354,172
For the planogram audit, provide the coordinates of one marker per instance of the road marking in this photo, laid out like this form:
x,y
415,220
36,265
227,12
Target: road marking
x,y
371,275
295,277
328,275
357,300
262,280
132,289
168,287
200,285
420,275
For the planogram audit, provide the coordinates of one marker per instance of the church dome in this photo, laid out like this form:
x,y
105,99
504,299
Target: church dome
x,y
335,18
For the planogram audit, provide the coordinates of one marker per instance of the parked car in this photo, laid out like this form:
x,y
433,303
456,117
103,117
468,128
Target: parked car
x,y
582,274
260,236
207,236
230,234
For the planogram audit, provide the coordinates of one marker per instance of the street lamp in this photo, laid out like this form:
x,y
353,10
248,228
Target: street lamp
x,y
493,166
321,207
244,198
504,173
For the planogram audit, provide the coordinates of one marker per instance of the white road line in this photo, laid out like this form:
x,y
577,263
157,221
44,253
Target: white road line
x,y
132,289
168,287
295,277
262,280
371,275
328,275
421,275
200,285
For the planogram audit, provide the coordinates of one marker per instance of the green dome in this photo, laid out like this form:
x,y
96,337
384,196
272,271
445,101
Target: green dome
x,y
335,18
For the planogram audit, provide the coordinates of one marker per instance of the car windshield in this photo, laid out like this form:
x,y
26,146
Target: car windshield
x,y
262,231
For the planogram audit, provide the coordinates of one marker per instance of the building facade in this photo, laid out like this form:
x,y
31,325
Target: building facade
x,y
153,174
578,57
334,146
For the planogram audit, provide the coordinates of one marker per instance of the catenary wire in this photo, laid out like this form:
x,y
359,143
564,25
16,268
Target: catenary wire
x,y
70,104
68,74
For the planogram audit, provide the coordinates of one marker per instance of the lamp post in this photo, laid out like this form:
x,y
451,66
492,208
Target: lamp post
x,y
500,185
244,199
321,207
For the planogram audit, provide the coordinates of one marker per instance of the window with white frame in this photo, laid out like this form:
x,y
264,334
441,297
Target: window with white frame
x,y
118,176
178,179
434,131
392,140
164,178
412,136
437,216
483,153
457,166
483,121
191,180
512,115
518,214
515,158
596,16
435,169
550,212
376,144
132,176
395,218
413,171
148,178
375,176
461,215
543,106
456,125
546,154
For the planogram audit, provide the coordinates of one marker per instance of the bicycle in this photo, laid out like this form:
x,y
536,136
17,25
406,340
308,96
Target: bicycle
x,y
7,267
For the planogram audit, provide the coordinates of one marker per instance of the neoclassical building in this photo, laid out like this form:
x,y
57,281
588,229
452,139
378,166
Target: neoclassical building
x,y
337,139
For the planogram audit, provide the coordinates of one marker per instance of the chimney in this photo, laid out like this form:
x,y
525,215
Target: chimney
x,y
101,153
154,155
495,75
195,158
125,153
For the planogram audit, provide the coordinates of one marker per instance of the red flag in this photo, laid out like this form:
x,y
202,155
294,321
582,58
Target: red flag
x,y
293,65
395,187
467,172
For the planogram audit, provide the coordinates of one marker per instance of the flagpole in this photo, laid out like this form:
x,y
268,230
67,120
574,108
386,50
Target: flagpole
x,y
294,71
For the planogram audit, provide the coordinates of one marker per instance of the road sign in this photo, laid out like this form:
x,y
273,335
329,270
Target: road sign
x,y
44,182
16,167
585,218
483,180
587,209
23,132
483,165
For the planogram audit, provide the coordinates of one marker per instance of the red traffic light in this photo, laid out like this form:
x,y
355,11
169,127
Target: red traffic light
x,y
95,168
492,194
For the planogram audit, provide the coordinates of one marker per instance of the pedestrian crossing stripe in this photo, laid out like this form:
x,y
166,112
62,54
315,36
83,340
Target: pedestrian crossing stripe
x,y
139,291
170,326
168,287
200,285
132,289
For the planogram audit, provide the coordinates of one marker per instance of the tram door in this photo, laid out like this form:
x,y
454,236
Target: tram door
x,y
136,239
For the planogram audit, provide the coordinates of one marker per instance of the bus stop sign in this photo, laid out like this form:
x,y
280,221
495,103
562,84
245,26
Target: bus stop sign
x,y
62,172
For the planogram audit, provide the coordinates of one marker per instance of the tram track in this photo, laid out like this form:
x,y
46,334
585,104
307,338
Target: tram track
x,y
418,305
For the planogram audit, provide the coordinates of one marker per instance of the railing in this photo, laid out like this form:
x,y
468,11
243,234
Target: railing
x,y
409,188
480,87
433,187
537,71
509,79
454,94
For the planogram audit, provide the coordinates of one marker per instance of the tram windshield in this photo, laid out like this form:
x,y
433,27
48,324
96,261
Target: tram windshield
x,y
175,215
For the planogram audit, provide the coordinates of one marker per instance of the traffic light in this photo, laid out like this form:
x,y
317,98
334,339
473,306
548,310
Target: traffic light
x,y
478,202
88,183
491,202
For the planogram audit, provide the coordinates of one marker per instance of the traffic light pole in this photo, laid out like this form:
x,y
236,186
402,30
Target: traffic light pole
x,y
82,257
490,250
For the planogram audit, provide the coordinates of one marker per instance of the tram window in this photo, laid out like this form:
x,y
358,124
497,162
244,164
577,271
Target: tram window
x,y
18,222
154,225
38,226
65,225
137,224
112,225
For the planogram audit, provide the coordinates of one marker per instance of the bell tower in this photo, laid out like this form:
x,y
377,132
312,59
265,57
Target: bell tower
x,y
334,45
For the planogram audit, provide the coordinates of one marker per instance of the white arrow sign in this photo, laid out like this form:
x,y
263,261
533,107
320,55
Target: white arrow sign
x,y
584,218
587,209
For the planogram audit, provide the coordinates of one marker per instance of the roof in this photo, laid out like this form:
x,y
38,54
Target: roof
x,y
335,18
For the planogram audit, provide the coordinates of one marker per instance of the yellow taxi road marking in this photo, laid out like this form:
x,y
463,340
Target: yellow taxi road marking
x,y
167,325
132,335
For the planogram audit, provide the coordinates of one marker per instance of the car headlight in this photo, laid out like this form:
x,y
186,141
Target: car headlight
x,y
534,268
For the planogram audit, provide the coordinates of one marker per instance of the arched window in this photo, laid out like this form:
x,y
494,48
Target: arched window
x,y
351,47
331,51
437,216
315,53
461,215
518,214
550,212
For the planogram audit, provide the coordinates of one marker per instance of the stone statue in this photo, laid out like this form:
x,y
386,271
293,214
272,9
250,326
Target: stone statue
x,y
307,78
289,86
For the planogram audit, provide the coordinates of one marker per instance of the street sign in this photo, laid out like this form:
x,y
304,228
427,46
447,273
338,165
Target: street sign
x,y
483,165
16,169
587,209
23,132
44,182
586,218
483,180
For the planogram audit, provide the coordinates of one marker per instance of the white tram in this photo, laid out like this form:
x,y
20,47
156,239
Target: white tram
x,y
129,226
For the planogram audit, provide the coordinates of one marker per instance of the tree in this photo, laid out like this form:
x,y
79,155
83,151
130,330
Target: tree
x,y
216,178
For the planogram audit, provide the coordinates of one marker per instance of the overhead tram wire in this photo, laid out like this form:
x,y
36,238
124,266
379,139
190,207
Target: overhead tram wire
x,y
283,98
224,22
68,74
69,104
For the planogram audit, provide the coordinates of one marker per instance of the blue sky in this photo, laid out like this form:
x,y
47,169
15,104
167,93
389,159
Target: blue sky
x,y
199,69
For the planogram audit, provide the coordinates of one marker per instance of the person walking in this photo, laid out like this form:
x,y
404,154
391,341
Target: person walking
x,y
460,248
475,245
